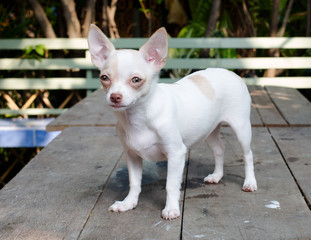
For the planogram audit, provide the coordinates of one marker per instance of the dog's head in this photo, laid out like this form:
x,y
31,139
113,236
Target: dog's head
x,y
127,75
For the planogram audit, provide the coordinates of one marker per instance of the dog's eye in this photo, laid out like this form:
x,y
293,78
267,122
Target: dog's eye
x,y
136,80
104,78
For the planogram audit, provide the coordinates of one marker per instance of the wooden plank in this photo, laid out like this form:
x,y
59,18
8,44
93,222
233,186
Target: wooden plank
x,y
240,63
294,144
241,43
223,211
50,64
144,222
32,111
52,197
93,83
255,118
238,43
269,114
49,83
290,82
295,108
91,111
171,63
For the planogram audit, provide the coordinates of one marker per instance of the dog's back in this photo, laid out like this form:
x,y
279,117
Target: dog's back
x,y
215,95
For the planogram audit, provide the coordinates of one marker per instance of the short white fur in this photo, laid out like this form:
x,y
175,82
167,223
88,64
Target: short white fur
x,y
161,121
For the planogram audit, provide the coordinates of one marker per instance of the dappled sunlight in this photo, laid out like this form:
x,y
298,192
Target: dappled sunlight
x,y
262,106
282,96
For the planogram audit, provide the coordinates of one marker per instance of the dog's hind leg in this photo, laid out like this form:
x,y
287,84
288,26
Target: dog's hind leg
x,y
218,148
243,131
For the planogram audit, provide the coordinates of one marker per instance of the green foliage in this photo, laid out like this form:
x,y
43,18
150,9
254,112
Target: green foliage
x,y
200,10
200,13
34,53
193,29
12,25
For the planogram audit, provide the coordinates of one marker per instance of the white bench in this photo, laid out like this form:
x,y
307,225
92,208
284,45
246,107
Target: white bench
x,y
89,82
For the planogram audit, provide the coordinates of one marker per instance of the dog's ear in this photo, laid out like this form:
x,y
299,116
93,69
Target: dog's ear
x,y
99,45
155,49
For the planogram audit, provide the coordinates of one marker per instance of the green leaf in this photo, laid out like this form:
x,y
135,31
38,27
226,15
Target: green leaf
x,y
194,29
28,50
40,49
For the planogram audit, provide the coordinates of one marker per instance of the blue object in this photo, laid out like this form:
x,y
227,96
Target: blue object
x,y
25,133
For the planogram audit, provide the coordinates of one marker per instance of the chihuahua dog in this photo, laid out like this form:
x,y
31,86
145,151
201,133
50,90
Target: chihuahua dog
x,y
161,121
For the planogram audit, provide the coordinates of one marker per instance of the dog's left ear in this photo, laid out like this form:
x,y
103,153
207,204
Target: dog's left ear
x,y
155,49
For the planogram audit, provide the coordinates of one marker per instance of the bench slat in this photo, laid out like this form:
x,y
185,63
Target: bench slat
x,y
183,63
290,82
48,64
94,83
220,43
49,83
33,111
241,63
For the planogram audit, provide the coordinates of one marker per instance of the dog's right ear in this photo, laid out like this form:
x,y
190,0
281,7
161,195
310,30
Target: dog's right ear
x,y
99,45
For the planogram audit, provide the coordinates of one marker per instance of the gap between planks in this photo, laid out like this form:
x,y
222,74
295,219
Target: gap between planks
x,y
184,194
99,196
277,108
290,170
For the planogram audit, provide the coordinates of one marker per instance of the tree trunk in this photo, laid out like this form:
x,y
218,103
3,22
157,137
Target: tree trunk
x,y
89,17
44,22
274,18
111,11
308,18
105,17
285,20
71,19
213,17
273,32
249,21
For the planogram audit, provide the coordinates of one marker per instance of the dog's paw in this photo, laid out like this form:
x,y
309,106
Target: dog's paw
x,y
249,186
213,178
169,214
122,206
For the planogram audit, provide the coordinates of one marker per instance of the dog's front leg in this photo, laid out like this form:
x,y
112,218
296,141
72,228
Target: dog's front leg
x,y
134,165
175,167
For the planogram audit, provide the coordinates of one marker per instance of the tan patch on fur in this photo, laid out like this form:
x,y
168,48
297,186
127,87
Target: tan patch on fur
x,y
111,70
203,84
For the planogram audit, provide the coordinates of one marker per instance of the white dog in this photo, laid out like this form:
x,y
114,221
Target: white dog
x,y
160,121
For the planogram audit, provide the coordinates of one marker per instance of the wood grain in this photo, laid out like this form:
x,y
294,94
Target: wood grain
x,y
224,211
145,221
269,114
52,197
295,108
91,111
295,146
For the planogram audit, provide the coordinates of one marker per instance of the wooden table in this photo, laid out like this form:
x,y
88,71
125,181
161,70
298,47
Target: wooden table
x,y
65,191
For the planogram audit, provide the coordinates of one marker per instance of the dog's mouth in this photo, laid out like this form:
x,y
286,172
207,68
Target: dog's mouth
x,y
118,107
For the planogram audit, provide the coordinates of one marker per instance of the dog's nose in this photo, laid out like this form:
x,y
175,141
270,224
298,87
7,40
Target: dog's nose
x,y
116,97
